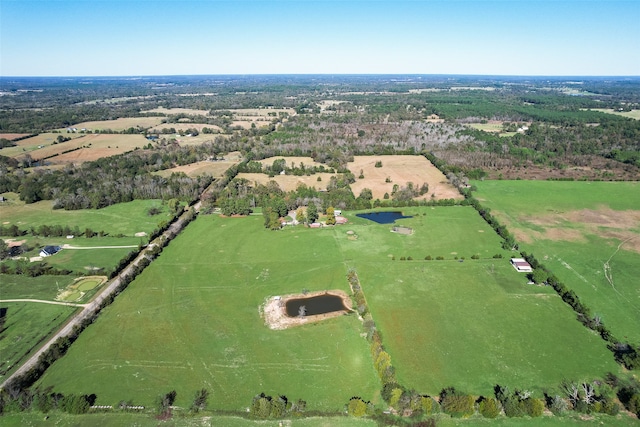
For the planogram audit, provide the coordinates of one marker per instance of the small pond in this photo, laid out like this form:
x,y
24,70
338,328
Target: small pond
x,y
382,217
320,304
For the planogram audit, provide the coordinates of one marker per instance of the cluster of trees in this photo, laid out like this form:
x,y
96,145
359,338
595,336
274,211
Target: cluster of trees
x,y
13,399
280,165
264,406
107,181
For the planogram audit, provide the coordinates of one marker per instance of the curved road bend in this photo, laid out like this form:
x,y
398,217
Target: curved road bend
x,y
91,308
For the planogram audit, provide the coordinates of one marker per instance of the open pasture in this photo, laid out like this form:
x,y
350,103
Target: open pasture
x,y
213,168
192,320
21,286
120,124
89,255
469,324
24,326
400,170
587,233
124,218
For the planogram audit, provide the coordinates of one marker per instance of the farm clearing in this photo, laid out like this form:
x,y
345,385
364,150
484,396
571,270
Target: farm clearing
x,y
400,170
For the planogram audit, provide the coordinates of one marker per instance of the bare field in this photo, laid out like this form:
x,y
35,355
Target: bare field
x,y
173,111
215,169
34,143
290,182
603,222
90,147
12,136
400,170
120,124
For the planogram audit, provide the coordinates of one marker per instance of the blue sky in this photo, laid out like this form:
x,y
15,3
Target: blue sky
x,y
148,37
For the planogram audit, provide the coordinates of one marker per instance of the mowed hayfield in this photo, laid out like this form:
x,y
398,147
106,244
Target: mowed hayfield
x,y
38,142
586,233
117,125
470,324
192,320
91,147
400,170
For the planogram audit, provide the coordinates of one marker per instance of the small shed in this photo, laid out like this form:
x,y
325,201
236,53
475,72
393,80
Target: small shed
x,y
521,265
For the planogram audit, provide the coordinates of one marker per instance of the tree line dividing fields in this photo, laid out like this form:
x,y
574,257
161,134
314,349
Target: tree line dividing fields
x,y
191,320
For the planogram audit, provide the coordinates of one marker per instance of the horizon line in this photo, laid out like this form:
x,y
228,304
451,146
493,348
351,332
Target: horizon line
x,y
325,75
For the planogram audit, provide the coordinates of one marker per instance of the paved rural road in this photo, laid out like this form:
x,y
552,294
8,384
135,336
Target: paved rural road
x,y
91,308
70,304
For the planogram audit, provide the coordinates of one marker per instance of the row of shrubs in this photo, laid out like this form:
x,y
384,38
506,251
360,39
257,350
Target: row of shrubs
x,y
441,258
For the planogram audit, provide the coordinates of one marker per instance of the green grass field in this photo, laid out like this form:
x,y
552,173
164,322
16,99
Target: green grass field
x,y
123,218
468,324
191,320
13,286
574,228
25,325
35,419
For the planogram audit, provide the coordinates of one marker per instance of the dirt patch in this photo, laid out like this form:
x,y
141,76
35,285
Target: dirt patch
x,y
12,136
275,317
602,222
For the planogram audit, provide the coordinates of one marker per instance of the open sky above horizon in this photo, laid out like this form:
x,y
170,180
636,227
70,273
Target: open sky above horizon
x,y
185,37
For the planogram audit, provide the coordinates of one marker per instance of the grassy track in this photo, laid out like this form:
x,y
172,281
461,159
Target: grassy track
x,y
191,320
578,250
